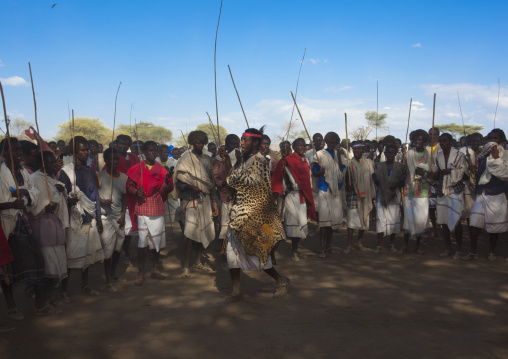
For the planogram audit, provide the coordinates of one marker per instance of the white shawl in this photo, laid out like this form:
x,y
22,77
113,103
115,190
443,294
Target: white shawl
x,y
495,166
84,203
56,197
190,170
6,182
333,174
457,163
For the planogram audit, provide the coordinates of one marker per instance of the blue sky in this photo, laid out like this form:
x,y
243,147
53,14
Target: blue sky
x,y
162,51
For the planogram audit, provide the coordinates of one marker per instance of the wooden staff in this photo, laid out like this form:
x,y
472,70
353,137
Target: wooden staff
x,y
39,134
114,124
407,130
7,134
296,94
433,118
74,151
139,150
498,93
306,131
347,147
213,131
215,67
238,95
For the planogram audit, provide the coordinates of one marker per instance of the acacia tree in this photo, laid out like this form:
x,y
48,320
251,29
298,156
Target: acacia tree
x,y
90,128
18,126
147,131
458,130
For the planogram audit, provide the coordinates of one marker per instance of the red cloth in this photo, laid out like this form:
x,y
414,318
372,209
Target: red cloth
x,y
32,134
6,256
154,184
299,168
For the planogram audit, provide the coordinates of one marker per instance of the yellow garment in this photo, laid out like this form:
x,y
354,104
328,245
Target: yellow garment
x,y
149,167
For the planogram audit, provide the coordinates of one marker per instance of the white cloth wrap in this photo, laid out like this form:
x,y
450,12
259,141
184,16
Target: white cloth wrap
x,y
83,243
224,219
173,209
112,236
198,220
457,163
60,198
237,258
416,215
295,216
55,261
388,218
311,158
490,212
9,216
450,209
151,232
190,171
330,210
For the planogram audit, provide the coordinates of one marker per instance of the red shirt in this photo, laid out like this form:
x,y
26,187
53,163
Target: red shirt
x,y
152,204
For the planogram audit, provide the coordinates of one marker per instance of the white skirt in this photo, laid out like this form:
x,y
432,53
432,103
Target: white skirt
x,y
55,261
237,258
416,215
83,247
490,212
295,217
151,232
112,237
450,210
224,219
388,218
199,225
330,210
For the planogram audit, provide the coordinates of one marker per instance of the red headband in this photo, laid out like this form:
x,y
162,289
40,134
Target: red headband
x,y
251,135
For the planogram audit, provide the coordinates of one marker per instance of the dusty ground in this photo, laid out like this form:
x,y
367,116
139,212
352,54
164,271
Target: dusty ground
x,y
360,305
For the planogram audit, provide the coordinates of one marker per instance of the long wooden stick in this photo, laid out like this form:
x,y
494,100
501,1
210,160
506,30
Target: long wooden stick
x,y
377,105
306,131
114,124
139,151
215,67
74,151
433,118
463,124
39,139
238,95
407,130
7,134
296,94
213,131
498,93
347,147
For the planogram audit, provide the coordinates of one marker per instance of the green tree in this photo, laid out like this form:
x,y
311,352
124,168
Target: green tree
x,y
212,135
374,121
18,126
458,130
90,128
147,131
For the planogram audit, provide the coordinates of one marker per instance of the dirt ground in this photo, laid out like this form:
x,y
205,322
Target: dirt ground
x,y
361,305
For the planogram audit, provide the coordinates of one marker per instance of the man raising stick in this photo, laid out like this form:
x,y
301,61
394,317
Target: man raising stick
x,y
291,179
255,225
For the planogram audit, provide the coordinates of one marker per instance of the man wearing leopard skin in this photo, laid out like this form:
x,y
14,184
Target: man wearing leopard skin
x,y
255,225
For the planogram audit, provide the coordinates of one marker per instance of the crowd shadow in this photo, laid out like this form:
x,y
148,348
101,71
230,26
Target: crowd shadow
x,y
351,306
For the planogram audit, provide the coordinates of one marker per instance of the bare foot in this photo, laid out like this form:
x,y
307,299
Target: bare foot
x,y
233,298
203,268
186,273
403,250
282,288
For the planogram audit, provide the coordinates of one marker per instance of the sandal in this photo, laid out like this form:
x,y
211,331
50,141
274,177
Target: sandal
x,y
15,314
157,275
88,290
111,288
186,273
139,281
47,309
282,289
65,298
203,268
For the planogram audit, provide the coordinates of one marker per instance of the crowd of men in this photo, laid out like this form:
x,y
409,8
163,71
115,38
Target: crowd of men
x,y
75,204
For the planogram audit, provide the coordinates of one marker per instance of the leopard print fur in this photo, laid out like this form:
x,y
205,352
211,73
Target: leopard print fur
x,y
254,216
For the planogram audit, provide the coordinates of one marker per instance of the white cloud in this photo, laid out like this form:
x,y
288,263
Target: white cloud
x,y
335,89
13,81
417,103
1,63
314,61
416,45
325,61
